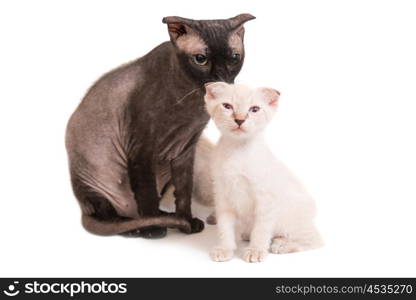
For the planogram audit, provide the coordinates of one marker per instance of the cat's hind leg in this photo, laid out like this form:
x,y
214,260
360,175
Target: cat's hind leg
x,y
282,245
302,241
100,216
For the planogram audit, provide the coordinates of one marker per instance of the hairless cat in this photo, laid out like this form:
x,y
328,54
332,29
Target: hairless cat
x,y
135,131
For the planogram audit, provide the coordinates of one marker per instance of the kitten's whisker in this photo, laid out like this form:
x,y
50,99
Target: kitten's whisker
x,y
184,97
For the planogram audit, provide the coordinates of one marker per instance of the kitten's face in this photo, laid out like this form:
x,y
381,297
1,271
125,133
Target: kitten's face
x,y
209,50
239,111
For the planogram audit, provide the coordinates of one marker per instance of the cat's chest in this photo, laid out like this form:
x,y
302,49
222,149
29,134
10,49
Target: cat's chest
x,y
232,174
240,175
179,128
240,165
232,180
232,166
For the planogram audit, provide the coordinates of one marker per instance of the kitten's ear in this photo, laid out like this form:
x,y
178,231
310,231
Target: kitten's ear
x,y
213,90
182,35
270,96
237,24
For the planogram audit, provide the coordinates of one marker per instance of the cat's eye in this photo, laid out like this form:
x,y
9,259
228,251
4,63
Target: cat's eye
x,y
254,109
200,59
235,58
227,106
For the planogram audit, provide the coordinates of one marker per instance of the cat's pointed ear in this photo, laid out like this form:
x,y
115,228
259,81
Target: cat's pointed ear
x,y
213,90
270,96
237,24
183,36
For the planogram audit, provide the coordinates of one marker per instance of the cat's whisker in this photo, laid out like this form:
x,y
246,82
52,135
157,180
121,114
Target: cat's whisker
x,y
188,94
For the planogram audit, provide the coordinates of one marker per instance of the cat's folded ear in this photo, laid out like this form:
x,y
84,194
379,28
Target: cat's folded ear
x,y
240,20
237,23
178,27
213,90
270,96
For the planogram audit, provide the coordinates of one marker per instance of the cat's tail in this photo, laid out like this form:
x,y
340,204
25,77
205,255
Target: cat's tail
x,y
96,226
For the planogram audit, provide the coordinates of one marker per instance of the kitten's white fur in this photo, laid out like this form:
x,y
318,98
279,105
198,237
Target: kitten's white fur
x,y
256,196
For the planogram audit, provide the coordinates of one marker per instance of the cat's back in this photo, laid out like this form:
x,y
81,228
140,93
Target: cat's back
x,y
103,109
109,92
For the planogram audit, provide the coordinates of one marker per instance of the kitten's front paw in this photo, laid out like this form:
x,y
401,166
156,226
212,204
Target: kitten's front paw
x,y
252,254
221,254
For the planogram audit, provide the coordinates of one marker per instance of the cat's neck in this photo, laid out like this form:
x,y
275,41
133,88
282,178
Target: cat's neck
x,y
253,141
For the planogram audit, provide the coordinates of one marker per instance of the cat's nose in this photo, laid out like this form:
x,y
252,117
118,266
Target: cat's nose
x,y
239,121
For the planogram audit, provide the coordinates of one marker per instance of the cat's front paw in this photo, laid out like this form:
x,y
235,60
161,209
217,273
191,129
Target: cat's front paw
x,y
221,254
252,254
196,225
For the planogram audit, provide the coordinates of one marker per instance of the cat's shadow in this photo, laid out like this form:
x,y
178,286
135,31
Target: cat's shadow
x,y
202,241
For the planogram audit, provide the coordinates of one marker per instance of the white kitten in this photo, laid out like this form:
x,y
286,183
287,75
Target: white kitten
x,y
256,196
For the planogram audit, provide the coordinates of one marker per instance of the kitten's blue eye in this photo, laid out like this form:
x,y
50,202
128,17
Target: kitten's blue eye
x,y
235,58
254,109
200,59
227,106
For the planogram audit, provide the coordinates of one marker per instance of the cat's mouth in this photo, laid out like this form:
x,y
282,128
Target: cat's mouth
x,y
238,130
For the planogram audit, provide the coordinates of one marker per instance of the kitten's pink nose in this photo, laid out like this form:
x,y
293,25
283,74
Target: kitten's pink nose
x,y
239,121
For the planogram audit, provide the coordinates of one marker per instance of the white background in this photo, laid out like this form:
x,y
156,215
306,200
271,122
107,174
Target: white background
x,y
346,126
